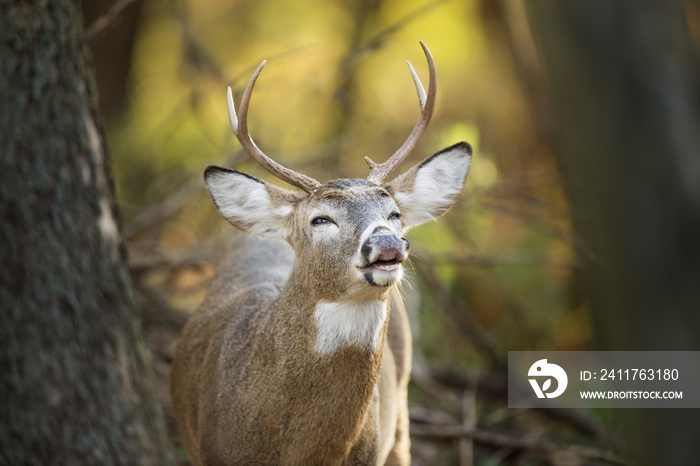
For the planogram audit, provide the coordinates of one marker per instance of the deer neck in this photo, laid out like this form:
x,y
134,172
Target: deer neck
x,y
333,354
330,324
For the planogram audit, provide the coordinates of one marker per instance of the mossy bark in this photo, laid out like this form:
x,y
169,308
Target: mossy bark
x,y
76,385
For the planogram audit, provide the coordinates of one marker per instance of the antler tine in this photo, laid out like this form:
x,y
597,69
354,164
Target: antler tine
x,y
239,125
379,172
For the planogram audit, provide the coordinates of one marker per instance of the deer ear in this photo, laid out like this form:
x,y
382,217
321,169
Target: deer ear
x,y
429,189
250,204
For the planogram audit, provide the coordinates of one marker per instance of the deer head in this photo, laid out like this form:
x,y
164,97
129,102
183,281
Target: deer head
x,y
348,234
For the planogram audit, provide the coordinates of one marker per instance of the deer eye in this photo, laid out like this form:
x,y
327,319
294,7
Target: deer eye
x,y
320,221
395,216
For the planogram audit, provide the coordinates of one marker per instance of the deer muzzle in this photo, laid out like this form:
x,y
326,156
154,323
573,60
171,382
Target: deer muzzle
x,y
385,251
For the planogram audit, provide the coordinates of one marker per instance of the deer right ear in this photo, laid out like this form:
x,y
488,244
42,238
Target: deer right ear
x,y
250,204
429,189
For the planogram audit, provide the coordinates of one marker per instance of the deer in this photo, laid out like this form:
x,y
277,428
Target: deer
x,y
300,353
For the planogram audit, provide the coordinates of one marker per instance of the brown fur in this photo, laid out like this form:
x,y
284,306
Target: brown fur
x,y
294,375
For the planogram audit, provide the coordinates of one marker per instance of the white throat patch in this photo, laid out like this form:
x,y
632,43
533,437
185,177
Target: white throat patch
x,y
346,324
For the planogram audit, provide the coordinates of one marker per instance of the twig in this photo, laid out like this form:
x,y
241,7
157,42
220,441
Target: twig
x,y
150,217
421,376
499,440
103,22
491,385
380,37
466,443
495,386
346,69
157,310
518,257
200,254
460,315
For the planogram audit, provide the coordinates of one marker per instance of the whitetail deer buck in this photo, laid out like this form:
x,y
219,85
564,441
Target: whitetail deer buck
x,y
304,357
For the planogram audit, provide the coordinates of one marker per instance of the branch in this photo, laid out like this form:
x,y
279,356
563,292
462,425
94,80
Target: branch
x,y
495,387
194,257
459,314
380,37
157,310
151,217
515,257
103,22
525,443
466,443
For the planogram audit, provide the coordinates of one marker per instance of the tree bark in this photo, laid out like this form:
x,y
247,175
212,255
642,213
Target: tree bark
x,y
624,83
75,381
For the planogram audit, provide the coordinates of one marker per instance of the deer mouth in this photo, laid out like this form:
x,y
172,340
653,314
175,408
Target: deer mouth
x,y
385,265
383,272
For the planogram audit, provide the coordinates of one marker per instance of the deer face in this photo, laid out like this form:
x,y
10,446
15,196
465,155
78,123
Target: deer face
x,y
351,230
348,235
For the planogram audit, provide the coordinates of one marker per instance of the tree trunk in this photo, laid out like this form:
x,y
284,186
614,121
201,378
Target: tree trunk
x,y
624,84
75,381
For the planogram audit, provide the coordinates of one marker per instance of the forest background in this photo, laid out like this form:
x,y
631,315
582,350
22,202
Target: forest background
x,y
578,228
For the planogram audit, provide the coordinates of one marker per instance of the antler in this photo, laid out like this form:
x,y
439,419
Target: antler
x,y
240,129
379,172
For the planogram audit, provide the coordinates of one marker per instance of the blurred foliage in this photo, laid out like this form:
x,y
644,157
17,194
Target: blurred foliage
x,y
335,89
497,273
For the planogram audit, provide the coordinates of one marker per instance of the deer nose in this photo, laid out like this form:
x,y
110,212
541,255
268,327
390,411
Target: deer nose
x,y
385,247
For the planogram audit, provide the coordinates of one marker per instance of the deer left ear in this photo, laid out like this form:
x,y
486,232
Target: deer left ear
x,y
429,189
250,204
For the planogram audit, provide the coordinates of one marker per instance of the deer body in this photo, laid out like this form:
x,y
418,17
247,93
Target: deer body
x,y
313,408
302,355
